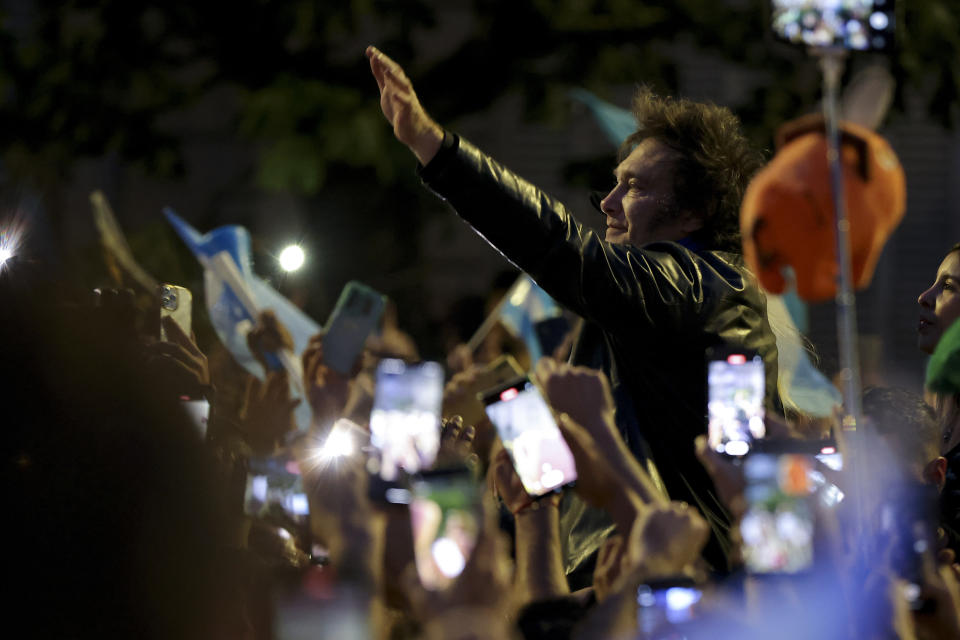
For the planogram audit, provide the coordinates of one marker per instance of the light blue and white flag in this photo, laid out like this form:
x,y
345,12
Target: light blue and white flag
x,y
617,123
521,308
235,296
526,304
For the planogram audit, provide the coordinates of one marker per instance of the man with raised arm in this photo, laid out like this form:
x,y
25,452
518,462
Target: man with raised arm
x,y
666,283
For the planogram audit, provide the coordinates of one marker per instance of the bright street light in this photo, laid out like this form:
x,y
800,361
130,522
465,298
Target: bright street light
x,y
291,258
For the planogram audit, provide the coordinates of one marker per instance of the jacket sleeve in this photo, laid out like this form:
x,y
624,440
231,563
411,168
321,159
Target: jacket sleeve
x,y
659,286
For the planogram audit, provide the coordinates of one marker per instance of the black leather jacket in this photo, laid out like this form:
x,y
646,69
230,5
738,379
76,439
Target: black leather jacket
x,y
651,312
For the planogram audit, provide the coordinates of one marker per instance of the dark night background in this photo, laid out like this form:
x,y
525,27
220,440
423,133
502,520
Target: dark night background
x,y
264,114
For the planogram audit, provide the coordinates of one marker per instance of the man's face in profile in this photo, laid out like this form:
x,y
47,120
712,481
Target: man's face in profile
x,y
641,207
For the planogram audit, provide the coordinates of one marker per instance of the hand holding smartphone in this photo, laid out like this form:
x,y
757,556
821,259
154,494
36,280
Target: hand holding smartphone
x,y
405,420
531,437
445,516
177,303
355,316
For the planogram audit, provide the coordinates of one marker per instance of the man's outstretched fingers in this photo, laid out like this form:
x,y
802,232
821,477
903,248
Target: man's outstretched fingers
x,y
376,67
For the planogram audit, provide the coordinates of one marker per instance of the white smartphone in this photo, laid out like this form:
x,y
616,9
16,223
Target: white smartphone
x,y
176,302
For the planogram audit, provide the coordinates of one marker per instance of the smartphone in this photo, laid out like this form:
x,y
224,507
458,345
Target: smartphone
x,y
736,385
909,518
778,526
275,490
445,517
405,420
531,436
665,606
356,314
198,412
857,25
829,462
177,303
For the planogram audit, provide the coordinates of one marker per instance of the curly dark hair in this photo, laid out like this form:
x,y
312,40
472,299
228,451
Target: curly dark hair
x,y
715,161
907,419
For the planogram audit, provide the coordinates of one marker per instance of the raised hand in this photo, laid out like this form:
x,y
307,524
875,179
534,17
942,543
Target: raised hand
x,y
727,477
460,399
398,101
479,604
326,390
269,336
178,364
581,392
667,540
507,483
597,481
267,412
582,398
456,444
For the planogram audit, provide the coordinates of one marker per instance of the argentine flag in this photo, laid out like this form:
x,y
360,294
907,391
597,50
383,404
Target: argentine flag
x,y
235,296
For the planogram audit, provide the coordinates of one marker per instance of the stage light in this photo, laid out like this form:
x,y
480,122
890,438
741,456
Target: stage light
x,y
292,258
5,254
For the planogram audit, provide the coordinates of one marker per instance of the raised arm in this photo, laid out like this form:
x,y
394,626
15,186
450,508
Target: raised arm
x,y
619,287
411,124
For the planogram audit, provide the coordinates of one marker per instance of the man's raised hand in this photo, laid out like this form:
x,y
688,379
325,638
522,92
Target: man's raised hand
x,y
411,124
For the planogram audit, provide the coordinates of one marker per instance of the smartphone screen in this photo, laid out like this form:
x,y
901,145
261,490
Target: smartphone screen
x,y
664,606
275,490
531,437
405,421
736,384
198,411
859,25
444,515
354,317
778,526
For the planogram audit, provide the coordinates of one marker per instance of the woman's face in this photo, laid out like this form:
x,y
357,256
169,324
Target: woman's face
x,y
940,304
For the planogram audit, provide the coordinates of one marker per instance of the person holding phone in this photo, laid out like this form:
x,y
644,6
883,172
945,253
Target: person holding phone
x,y
665,282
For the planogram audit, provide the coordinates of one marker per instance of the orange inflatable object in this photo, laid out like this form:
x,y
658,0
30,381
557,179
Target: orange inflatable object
x,y
787,213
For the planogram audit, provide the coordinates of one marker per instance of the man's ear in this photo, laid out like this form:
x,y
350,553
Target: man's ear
x,y
935,472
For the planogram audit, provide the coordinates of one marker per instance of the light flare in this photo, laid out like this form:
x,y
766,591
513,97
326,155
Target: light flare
x,y
292,258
